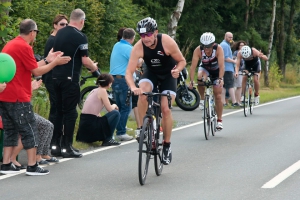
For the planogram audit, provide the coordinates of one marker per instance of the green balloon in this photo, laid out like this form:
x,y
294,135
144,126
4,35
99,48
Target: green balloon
x,y
7,68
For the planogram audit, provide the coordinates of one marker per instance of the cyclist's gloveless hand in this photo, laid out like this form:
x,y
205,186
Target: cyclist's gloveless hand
x,y
136,91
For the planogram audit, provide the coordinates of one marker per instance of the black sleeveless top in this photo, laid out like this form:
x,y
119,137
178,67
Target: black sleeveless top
x,y
209,62
251,61
156,60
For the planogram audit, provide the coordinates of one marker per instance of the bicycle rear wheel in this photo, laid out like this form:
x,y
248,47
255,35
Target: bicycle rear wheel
x,y
145,150
158,152
206,117
246,100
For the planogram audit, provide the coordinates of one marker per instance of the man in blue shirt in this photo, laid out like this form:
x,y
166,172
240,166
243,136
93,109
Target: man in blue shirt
x,y
118,64
229,68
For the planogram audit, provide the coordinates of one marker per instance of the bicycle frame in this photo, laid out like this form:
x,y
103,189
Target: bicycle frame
x,y
209,114
249,92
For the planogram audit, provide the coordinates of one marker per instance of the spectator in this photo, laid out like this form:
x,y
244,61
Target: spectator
x,y
15,107
229,68
120,33
45,131
66,83
238,79
59,22
118,63
92,126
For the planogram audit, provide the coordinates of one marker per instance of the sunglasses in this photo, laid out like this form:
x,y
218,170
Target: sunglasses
x,y
208,46
63,24
37,31
143,35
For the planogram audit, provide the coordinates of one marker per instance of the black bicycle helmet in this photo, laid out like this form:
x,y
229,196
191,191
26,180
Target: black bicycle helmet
x,y
146,25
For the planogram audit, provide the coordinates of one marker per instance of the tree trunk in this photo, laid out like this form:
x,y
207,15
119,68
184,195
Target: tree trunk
x,y
247,14
281,38
172,26
288,51
266,74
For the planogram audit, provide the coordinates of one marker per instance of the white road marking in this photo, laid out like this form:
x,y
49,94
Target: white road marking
x,y
132,141
282,176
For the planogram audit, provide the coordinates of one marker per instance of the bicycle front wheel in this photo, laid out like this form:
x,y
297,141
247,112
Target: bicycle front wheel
x,y
252,97
158,165
246,100
145,145
213,120
206,117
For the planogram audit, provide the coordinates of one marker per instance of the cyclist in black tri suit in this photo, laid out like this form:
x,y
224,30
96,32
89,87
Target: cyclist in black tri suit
x,y
212,64
164,62
252,62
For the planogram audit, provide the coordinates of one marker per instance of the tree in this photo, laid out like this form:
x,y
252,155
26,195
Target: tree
x,y
172,26
266,74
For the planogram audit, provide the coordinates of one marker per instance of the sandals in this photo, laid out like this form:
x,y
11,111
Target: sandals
x,y
53,160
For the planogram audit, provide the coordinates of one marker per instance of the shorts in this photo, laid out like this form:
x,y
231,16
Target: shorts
x,y
256,67
213,74
228,79
18,118
134,100
167,82
238,81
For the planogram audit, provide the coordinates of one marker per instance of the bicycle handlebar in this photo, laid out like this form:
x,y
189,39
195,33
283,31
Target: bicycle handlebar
x,y
150,94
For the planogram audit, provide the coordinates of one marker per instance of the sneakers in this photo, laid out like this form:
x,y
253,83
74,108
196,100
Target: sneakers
x,y
242,99
235,104
256,100
35,170
167,155
111,142
43,162
137,132
9,169
219,126
124,137
201,105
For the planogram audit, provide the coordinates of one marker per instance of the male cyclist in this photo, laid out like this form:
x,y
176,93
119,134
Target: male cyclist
x,y
252,63
164,62
212,64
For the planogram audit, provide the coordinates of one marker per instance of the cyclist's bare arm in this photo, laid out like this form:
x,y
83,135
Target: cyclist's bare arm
x,y
220,56
136,54
196,56
88,63
238,62
171,48
259,54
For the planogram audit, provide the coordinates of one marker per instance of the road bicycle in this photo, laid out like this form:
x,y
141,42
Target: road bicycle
x,y
187,99
85,91
248,96
150,139
209,113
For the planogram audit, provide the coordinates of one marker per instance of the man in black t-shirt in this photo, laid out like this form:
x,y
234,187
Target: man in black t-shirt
x,y
66,77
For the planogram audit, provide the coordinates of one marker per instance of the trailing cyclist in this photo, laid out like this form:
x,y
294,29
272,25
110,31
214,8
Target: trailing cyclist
x,y
164,62
212,64
252,62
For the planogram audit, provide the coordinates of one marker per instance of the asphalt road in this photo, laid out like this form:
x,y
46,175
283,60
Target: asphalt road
x,y
254,157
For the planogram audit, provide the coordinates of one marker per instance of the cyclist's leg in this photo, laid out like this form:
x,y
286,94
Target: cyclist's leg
x,y
168,84
202,73
147,83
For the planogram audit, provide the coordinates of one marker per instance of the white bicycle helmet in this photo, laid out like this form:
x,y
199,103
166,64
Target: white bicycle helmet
x,y
246,51
207,38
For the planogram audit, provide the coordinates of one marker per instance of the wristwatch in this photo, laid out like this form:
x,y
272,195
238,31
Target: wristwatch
x,y
46,61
